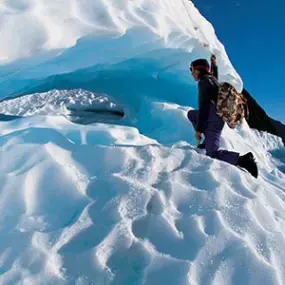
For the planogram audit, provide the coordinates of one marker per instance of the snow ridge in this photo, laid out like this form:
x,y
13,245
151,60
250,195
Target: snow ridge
x,y
46,29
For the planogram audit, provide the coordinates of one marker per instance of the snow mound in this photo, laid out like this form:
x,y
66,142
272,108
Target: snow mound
x,y
58,102
124,209
61,36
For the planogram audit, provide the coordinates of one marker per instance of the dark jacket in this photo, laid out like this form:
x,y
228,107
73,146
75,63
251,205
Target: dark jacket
x,y
208,91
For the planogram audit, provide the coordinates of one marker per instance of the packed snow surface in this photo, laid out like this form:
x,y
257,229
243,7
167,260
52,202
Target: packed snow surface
x,y
125,200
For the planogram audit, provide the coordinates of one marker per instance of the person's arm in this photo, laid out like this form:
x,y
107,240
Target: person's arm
x,y
214,66
214,71
204,103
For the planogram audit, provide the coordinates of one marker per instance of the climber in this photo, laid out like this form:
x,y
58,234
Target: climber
x,y
206,121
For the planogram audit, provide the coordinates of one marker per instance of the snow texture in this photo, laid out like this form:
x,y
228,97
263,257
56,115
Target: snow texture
x,y
90,197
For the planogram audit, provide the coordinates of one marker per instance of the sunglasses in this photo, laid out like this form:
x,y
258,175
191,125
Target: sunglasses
x,y
199,67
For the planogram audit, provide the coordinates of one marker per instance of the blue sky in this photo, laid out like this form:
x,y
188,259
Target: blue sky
x,y
253,33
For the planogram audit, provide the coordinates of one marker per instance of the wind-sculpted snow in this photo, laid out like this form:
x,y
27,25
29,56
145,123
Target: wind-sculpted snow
x,y
59,24
102,204
101,181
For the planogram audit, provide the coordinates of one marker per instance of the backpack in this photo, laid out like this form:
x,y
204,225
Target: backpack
x,y
231,106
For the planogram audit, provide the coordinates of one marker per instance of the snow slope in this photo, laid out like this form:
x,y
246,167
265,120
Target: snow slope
x,y
125,200
103,204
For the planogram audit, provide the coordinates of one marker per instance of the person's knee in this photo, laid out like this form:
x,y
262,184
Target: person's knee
x,y
191,115
212,153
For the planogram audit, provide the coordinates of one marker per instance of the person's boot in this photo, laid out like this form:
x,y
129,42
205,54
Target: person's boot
x,y
248,162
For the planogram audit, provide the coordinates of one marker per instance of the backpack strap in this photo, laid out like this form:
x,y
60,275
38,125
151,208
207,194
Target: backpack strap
x,y
212,79
215,85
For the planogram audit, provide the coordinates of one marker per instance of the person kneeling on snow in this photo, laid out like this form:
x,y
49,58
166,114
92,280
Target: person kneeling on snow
x,y
207,122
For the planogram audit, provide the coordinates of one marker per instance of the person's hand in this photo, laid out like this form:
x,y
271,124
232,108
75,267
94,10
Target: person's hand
x,y
198,137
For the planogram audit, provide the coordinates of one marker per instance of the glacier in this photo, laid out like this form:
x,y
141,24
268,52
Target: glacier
x,y
101,181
